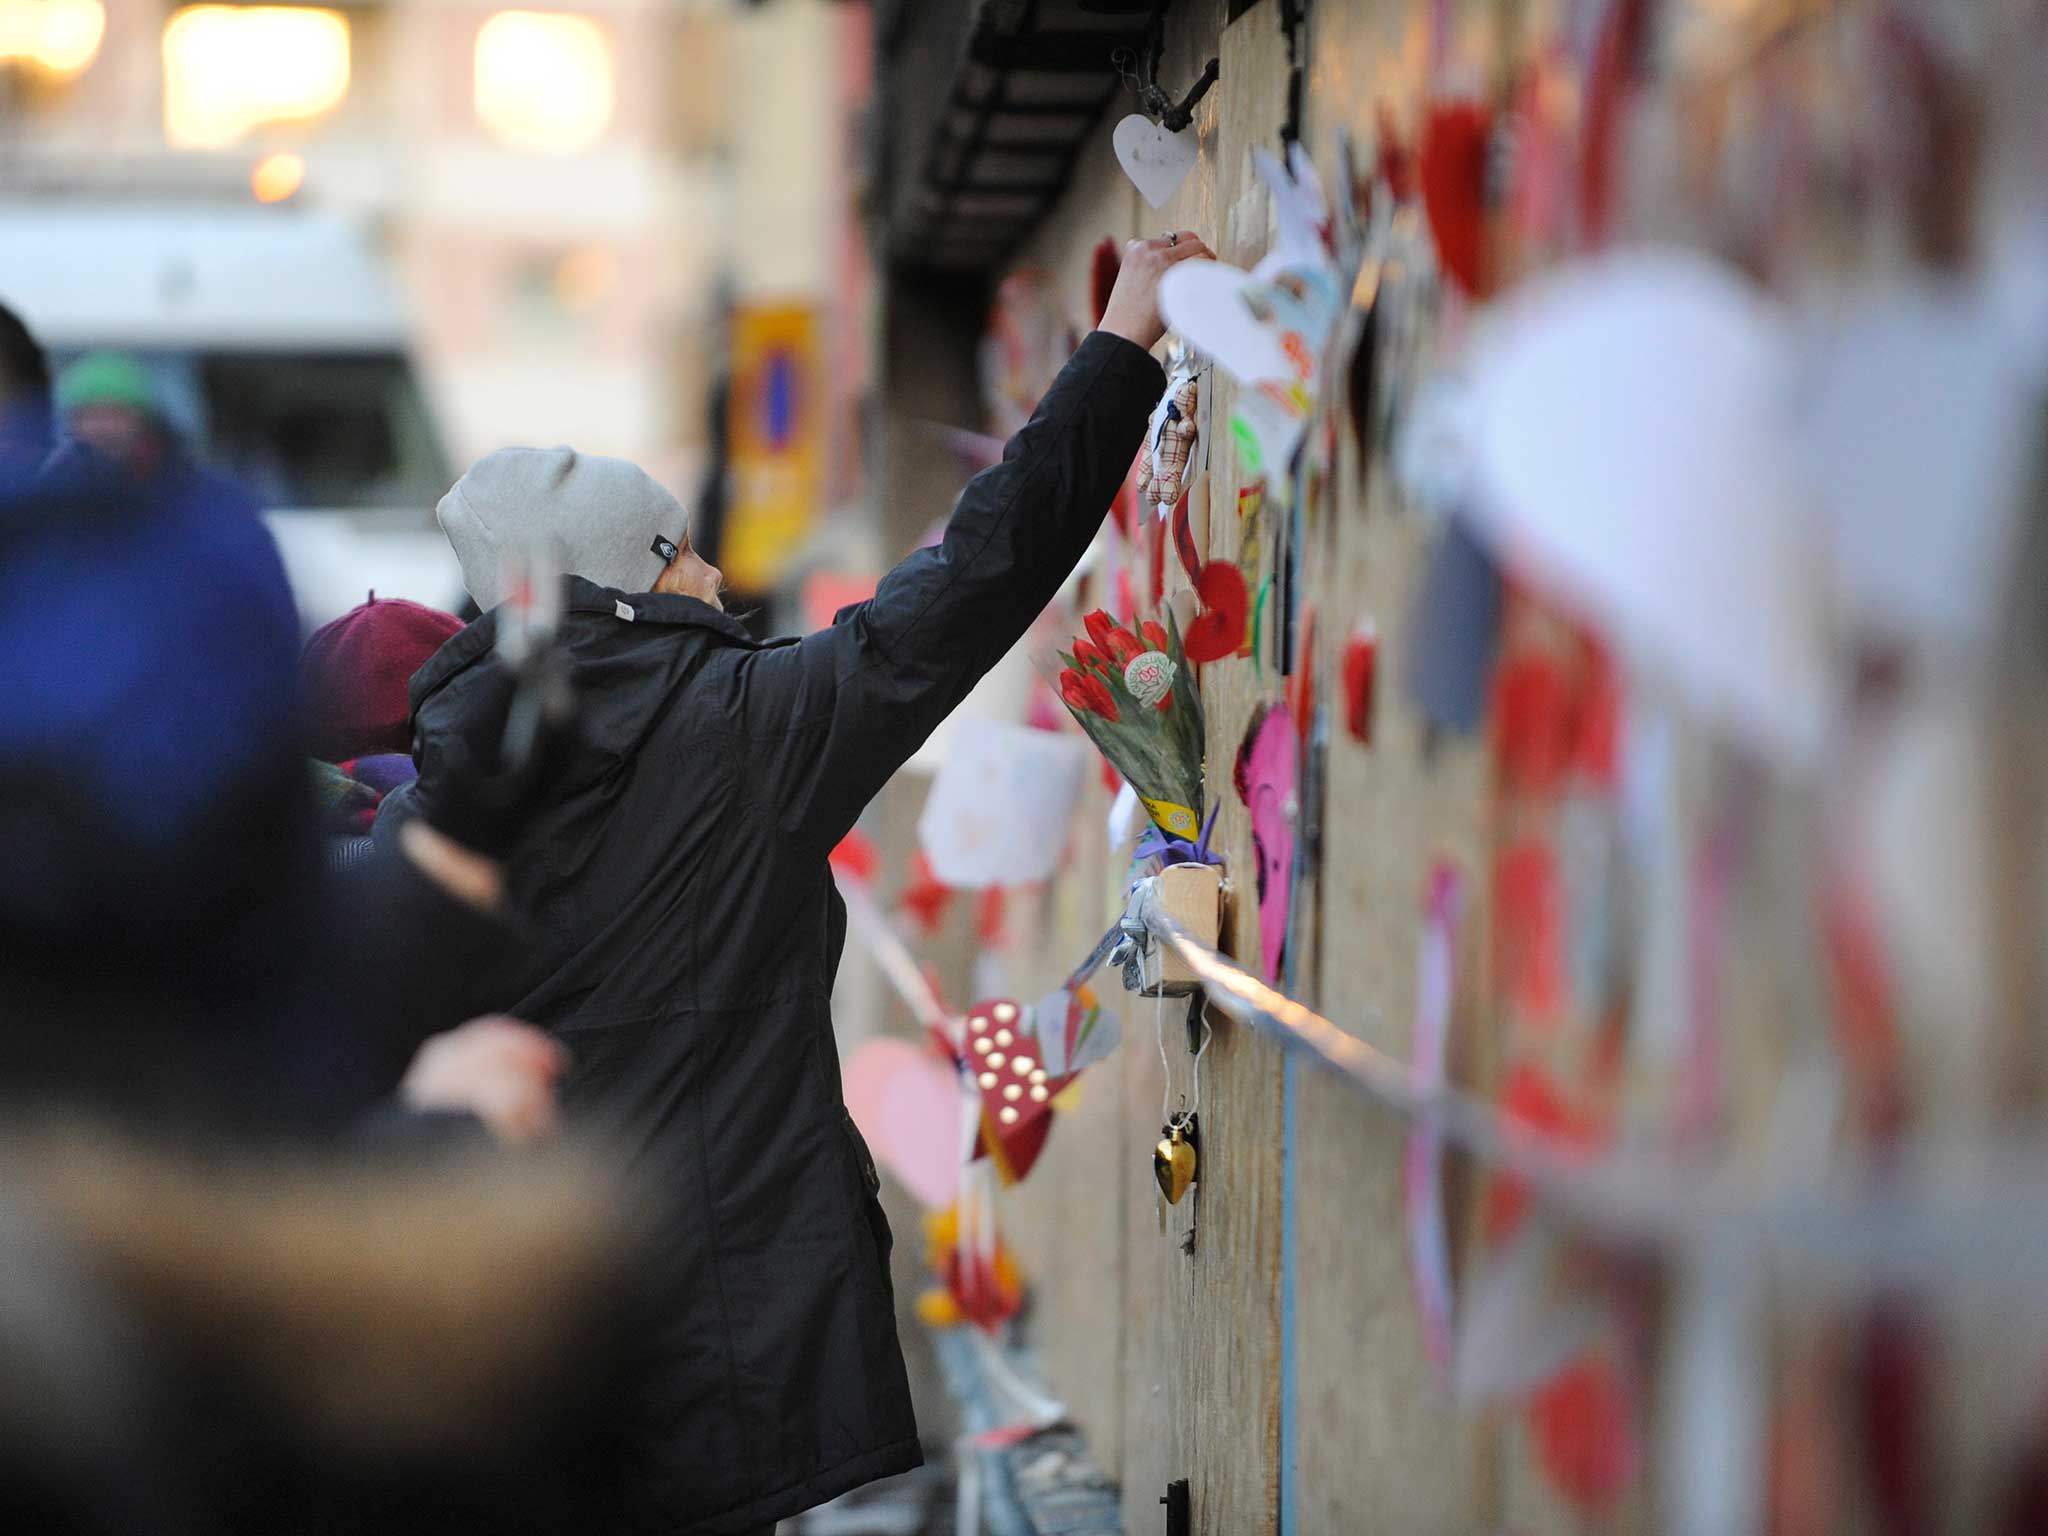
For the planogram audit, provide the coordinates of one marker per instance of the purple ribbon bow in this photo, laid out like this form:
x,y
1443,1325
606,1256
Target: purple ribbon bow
x,y
1178,850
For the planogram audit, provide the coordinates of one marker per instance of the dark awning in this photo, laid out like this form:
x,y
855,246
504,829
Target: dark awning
x,y
991,112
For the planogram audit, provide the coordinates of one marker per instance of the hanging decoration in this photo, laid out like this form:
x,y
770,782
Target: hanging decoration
x,y
1000,804
1136,699
1267,327
1176,1157
1661,380
979,1279
1001,1055
905,1100
1165,462
1153,144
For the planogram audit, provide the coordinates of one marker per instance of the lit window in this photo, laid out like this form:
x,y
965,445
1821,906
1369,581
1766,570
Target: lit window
x,y
231,68
544,80
54,37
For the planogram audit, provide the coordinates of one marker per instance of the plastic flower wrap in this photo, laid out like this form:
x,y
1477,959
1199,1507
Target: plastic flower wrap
x,y
1135,696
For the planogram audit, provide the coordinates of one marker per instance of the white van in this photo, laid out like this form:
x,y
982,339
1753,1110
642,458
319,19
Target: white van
x,y
279,349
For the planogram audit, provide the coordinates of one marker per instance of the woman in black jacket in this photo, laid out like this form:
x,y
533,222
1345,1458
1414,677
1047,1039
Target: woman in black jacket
x,y
686,927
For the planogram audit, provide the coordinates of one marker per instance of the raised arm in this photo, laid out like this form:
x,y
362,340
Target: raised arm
x,y
829,719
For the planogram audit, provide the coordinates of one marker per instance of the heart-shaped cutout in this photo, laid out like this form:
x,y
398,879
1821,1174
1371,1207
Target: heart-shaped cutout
x,y
1156,161
1218,629
907,1106
1173,1165
1631,449
1017,1089
1212,305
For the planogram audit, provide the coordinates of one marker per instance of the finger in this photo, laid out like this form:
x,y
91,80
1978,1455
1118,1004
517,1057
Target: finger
x,y
1189,244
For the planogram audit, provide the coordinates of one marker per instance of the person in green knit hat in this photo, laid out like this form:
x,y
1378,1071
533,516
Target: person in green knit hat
x,y
107,403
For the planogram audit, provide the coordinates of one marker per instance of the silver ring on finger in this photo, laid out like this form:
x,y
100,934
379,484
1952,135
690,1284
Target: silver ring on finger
x,y
1173,237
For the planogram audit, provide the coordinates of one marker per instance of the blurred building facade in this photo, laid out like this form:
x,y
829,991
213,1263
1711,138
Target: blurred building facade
x,y
570,199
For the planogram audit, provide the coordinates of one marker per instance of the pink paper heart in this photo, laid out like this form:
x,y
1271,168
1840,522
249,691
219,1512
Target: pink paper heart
x,y
907,1106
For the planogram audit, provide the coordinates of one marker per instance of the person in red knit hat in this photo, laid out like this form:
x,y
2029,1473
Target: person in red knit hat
x,y
352,681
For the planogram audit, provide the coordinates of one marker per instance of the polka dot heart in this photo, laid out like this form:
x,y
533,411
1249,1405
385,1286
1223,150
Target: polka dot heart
x,y
1016,1090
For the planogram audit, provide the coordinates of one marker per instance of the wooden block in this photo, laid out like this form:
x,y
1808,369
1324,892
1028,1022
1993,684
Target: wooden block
x,y
1192,895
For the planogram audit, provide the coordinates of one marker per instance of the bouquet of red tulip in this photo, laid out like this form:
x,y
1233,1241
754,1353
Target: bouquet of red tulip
x,y
1136,698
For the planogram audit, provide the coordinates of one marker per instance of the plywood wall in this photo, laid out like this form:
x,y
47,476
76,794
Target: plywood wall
x,y
1199,1343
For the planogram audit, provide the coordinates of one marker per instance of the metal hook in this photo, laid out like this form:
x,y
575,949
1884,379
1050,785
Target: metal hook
x,y
1173,116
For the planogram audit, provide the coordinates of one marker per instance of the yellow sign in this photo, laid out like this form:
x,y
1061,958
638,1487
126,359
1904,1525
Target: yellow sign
x,y
777,447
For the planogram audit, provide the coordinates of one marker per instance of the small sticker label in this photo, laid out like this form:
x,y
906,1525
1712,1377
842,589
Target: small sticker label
x,y
1175,820
665,549
623,610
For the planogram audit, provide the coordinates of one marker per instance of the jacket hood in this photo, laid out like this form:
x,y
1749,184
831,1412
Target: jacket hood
x,y
580,597
625,670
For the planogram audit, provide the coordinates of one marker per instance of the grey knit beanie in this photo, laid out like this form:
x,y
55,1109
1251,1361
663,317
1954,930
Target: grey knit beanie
x,y
613,521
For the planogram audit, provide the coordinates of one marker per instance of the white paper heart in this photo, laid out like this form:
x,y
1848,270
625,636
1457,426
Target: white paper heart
x,y
1633,450
1156,161
998,810
1917,434
1205,302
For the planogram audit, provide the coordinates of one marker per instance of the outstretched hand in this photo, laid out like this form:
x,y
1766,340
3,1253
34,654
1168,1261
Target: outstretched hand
x,y
1133,311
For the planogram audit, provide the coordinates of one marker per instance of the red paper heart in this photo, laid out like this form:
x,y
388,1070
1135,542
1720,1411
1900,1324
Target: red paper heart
x,y
1453,167
1218,630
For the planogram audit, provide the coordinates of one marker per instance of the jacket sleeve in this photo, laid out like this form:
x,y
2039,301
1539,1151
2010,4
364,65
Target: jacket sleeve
x,y
416,959
829,719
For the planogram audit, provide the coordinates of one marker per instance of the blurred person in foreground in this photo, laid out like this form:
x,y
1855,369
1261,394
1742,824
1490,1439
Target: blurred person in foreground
x,y
218,1314
352,686
168,946
686,927
25,433
224,1345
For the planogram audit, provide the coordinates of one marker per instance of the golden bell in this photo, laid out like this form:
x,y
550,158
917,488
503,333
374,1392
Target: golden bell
x,y
1173,1163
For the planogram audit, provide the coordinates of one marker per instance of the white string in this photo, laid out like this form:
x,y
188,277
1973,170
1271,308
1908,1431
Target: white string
x,y
1165,1067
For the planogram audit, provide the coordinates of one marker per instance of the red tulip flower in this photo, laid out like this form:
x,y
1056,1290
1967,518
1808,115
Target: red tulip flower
x,y
1085,692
